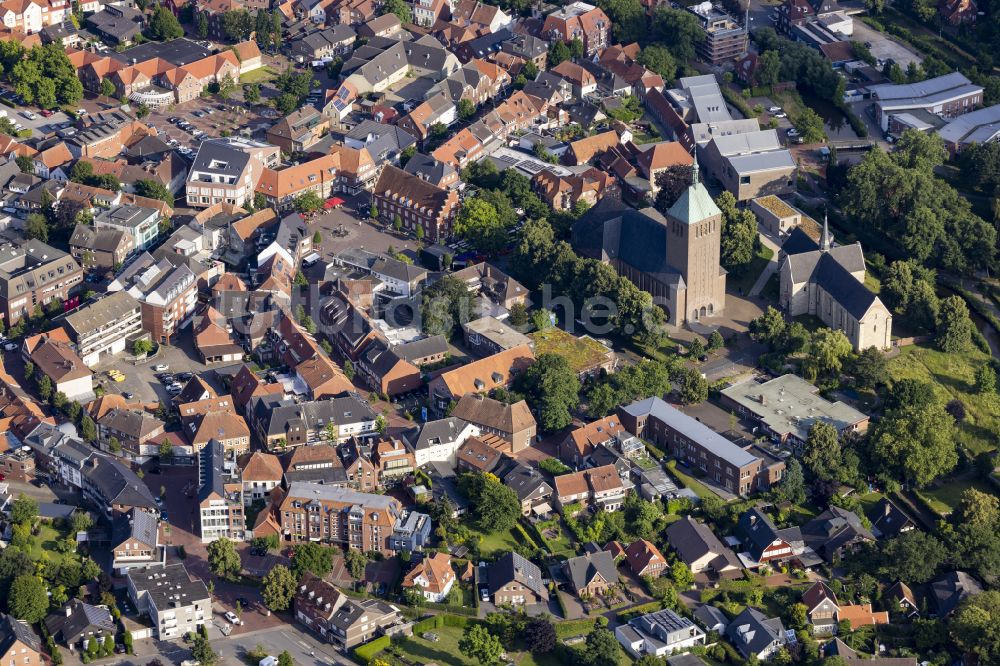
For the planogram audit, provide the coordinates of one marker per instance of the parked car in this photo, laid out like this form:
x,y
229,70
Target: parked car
x,y
232,618
127,395
793,132
46,113
774,109
10,346
781,114
161,367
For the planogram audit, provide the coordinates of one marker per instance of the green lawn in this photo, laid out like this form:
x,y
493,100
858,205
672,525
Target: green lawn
x,y
741,281
699,488
260,75
869,500
945,498
952,377
563,544
44,546
445,652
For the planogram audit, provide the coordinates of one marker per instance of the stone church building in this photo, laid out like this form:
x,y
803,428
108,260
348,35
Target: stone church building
x,y
828,281
674,257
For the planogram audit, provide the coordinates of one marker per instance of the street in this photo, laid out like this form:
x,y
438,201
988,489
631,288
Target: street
x,y
304,648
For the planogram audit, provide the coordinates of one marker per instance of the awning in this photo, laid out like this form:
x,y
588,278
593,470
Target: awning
x,y
333,202
542,509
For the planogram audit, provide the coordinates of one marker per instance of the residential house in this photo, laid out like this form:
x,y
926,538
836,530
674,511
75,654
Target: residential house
x,y
383,142
260,473
176,604
513,423
601,487
699,548
136,542
763,541
69,375
439,440
838,648
100,248
565,192
592,574
575,450
888,520
214,419
317,463
752,633
488,335
142,224
480,453
821,608
299,130
336,40
533,491
33,275
951,589
479,376
279,422
137,432
412,533
516,581
902,596
582,21
659,634
645,559
835,531
432,577
345,623
227,172
74,624
18,642
487,280
113,488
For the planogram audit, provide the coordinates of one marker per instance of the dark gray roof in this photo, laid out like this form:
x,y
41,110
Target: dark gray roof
x,y
277,414
526,481
692,540
435,344
139,525
583,569
512,567
833,529
121,23
400,270
434,432
432,170
118,484
78,620
950,589
489,43
758,531
373,611
211,470
692,429
169,586
381,140
710,616
180,52
235,161
751,632
685,660
888,520
548,84
526,46
613,231
12,630
798,242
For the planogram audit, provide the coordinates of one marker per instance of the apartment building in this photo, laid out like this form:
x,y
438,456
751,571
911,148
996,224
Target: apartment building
x,y
30,16
104,328
19,645
280,423
32,275
220,495
112,487
135,542
344,622
738,470
167,294
281,187
227,171
416,203
214,419
582,21
101,248
725,39
175,603
299,130
480,376
260,473
139,433
57,360
361,521
142,224
439,441
513,423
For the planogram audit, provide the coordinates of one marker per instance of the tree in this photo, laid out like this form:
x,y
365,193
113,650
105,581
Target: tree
x,y
141,347
279,588
986,379
551,386
915,445
163,25
27,599
251,93
355,561
498,508
479,644
518,315
308,202
285,659
25,164
88,430
913,556
558,52
974,532
165,450
976,626
201,24
601,648
681,575
479,223
739,233
793,485
107,89
628,18
810,125
670,184
822,451
828,349
768,327
445,306
400,9
657,58
153,190
202,650
114,445
693,388
311,557
871,369
679,30
223,560
910,393
36,227
24,510
715,341
954,327
237,24
466,109
540,636
768,68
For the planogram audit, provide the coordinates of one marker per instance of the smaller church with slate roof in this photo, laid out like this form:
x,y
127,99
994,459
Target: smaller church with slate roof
x,y
674,257
828,281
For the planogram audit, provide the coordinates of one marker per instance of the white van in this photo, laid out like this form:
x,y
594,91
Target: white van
x,y
268,661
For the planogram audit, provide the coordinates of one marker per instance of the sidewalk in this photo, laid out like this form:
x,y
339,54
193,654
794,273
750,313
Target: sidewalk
x,y
772,265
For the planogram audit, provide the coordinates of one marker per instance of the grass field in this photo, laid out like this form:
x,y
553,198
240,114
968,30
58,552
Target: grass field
x,y
581,353
445,651
497,541
260,75
952,377
740,282
945,498
699,488
44,546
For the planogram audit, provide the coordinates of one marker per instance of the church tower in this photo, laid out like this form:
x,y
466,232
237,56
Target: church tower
x,y
694,235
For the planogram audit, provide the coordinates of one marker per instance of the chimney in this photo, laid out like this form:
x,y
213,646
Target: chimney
x,y
69,610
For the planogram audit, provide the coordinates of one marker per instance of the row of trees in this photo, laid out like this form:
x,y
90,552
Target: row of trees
x,y
43,75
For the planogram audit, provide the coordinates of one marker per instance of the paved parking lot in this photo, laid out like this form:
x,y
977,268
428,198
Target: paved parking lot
x,y
882,46
40,124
